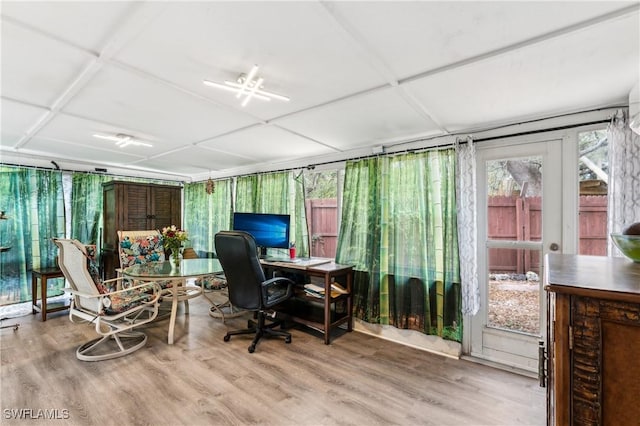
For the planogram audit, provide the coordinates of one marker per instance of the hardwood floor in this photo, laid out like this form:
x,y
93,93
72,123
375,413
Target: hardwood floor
x,y
201,380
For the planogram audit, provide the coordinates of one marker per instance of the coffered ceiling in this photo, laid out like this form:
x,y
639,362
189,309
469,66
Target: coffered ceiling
x,y
359,75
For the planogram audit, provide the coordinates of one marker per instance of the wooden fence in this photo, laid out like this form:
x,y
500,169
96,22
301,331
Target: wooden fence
x,y
509,218
512,218
322,220
520,219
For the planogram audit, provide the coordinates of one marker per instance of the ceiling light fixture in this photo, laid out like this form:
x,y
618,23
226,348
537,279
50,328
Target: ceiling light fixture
x,y
122,140
249,86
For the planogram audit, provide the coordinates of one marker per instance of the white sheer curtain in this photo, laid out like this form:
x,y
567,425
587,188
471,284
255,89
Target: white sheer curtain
x,y
624,176
467,226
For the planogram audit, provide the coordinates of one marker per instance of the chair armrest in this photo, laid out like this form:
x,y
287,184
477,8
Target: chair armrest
x,y
276,290
118,303
156,289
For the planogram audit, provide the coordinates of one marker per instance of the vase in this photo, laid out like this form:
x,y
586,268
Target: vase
x,y
176,257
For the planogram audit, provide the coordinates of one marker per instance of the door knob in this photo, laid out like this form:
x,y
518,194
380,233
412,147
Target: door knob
x,y
554,247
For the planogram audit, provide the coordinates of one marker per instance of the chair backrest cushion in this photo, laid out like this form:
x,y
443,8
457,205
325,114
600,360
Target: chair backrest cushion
x,y
139,247
94,270
73,262
239,259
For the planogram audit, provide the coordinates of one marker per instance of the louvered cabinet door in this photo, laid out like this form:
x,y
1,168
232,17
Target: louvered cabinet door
x,y
165,207
133,206
136,208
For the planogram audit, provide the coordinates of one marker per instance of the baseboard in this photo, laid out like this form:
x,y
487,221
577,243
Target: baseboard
x,y
412,338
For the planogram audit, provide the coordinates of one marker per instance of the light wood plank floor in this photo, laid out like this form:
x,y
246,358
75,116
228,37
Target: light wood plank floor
x,y
357,380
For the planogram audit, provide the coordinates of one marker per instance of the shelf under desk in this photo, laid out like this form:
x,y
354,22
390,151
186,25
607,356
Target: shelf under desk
x,y
329,272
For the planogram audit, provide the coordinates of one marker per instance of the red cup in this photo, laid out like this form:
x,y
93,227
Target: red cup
x,y
292,252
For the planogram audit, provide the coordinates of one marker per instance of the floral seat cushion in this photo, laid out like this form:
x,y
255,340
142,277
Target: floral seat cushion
x,y
128,299
212,282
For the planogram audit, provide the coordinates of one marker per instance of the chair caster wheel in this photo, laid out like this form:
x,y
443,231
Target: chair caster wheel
x,y
227,337
252,349
287,339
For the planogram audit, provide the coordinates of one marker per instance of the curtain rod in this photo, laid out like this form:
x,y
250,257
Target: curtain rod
x,y
57,169
468,134
533,132
446,145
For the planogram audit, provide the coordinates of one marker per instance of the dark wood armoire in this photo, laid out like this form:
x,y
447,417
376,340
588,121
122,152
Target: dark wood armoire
x,y
135,206
594,340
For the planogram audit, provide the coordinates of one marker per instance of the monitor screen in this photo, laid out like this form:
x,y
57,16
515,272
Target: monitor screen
x,y
269,230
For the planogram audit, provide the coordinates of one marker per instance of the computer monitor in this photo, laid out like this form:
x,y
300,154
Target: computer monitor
x,y
269,230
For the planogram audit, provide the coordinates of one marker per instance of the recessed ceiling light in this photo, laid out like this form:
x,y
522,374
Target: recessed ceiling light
x,y
249,86
122,140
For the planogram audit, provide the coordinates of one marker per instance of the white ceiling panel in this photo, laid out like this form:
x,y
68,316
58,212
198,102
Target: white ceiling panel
x,y
57,149
424,35
194,160
372,118
267,144
301,51
558,75
16,120
37,69
86,24
127,99
80,131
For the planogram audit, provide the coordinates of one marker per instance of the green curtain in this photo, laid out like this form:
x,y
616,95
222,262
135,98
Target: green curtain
x,y
399,230
50,214
280,193
86,207
15,235
33,202
206,214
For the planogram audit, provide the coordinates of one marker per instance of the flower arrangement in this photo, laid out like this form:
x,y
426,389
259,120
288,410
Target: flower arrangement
x,y
172,238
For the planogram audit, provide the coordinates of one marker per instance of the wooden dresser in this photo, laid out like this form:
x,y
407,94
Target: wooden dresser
x,y
130,206
593,340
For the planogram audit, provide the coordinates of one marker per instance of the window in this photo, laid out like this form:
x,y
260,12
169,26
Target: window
x,y
322,203
593,173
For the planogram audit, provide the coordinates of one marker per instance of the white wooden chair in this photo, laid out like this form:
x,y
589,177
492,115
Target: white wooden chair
x,y
114,307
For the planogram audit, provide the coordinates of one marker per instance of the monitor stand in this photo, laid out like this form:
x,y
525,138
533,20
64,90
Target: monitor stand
x,y
262,252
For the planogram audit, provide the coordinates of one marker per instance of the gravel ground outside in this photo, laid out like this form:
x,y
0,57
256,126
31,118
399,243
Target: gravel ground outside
x,y
514,305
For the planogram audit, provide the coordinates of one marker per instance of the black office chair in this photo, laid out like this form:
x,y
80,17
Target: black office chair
x,y
248,287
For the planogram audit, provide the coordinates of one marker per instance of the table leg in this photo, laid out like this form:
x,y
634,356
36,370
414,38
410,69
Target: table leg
x,y
175,287
34,292
350,301
174,310
327,309
43,293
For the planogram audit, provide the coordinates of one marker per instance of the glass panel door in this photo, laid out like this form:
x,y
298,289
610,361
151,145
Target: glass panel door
x,y
519,203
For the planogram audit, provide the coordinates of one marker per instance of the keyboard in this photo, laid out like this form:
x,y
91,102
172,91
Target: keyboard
x,y
282,259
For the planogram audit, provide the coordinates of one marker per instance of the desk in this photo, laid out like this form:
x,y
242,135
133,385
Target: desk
x,y
44,274
189,268
328,272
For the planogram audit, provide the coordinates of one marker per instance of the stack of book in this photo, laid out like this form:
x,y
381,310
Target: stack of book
x,y
315,290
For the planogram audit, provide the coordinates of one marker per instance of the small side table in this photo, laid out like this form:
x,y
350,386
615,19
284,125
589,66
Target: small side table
x,y
44,274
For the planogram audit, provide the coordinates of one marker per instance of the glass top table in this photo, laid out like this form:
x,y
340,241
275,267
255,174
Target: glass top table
x,y
178,275
188,268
